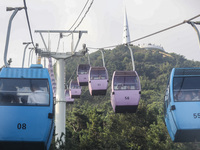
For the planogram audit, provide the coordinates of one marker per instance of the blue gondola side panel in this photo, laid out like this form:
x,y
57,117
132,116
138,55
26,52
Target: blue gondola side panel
x,y
25,124
182,115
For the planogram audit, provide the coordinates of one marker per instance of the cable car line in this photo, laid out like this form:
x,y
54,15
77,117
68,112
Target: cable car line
x,y
146,36
61,36
71,77
79,15
84,15
82,18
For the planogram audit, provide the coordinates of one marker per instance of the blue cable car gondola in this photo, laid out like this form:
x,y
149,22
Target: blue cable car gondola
x,y
82,74
182,105
26,108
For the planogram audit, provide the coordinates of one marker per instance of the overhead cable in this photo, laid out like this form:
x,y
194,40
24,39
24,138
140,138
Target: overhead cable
x,y
83,17
73,24
185,21
71,77
79,15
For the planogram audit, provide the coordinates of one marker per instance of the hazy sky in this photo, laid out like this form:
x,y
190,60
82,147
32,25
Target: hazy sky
x,y
104,23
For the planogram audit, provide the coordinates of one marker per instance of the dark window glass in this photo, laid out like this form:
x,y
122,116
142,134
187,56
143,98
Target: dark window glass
x,y
24,92
74,85
186,88
126,83
83,69
98,74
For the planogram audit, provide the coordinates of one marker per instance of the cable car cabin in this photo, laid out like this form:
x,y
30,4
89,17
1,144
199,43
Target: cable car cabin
x,y
69,100
182,105
98,80
82,74
74,89
26,109
125,91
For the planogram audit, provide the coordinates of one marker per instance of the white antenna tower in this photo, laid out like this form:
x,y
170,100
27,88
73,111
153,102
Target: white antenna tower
x,y
126,38
126,35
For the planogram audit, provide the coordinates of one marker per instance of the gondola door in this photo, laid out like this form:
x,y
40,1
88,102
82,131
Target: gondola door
x,y
169,113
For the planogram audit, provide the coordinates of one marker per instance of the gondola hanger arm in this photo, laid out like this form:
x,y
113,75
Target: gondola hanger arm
x,y
16,9
195,28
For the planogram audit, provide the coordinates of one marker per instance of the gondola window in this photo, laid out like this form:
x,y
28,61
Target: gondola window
x,y
24,92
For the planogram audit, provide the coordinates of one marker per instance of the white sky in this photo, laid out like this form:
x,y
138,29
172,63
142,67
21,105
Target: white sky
x,y
104,24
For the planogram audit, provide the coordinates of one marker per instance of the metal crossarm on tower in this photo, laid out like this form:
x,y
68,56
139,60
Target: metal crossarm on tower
x,y
61,32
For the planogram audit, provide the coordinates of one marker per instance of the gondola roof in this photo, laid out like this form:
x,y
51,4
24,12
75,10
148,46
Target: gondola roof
x,y
35,71
125,73
98,68
186,71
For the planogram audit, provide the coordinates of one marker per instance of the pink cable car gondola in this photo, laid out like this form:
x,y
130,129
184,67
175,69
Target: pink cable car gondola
x,y
82,74
98,80
74,89
125,91
68,99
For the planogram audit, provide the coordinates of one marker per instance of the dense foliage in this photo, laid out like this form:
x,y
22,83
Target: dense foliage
x,y
92,124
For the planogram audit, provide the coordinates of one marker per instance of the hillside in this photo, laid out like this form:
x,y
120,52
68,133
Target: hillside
x,y
91,122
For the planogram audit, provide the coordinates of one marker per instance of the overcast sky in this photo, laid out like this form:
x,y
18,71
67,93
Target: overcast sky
x,y
104,23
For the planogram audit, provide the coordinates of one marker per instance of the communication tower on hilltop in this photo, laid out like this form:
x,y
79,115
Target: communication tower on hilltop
x,y
126,38
126,35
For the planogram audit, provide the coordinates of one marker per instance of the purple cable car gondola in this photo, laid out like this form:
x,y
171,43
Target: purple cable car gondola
x,y
125,91
69,100
74,89
82,74
98,80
